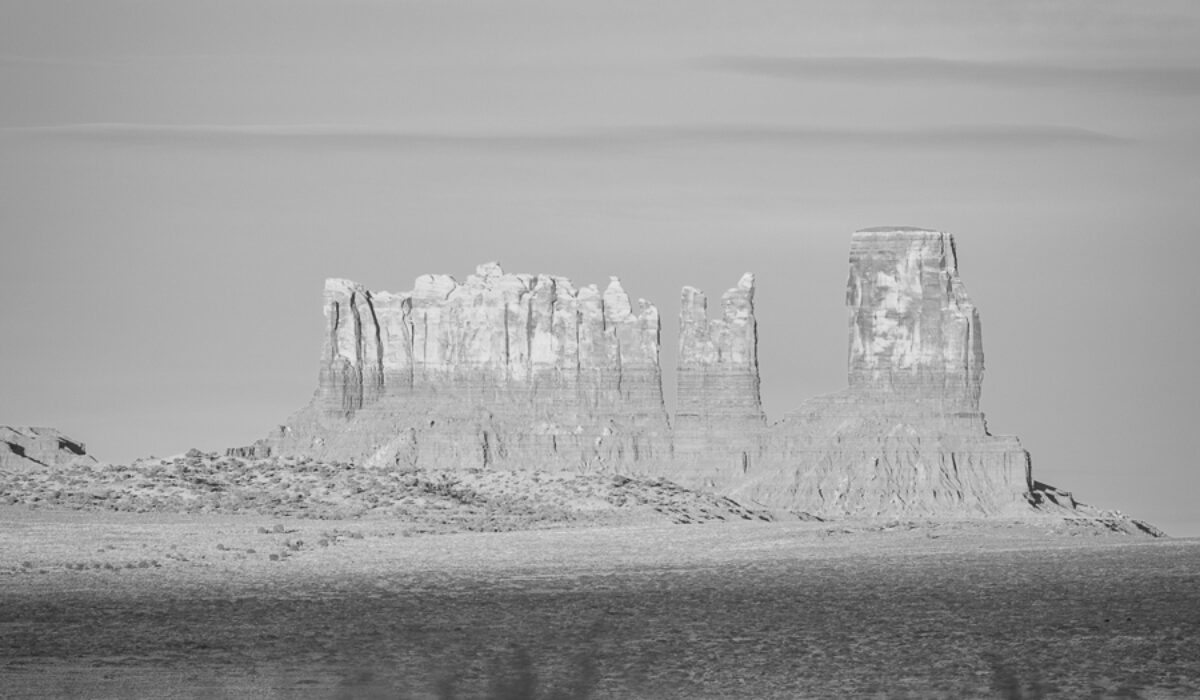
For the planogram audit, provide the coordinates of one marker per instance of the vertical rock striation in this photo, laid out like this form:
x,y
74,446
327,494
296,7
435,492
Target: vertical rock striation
x,y
352,372
914,334
524,371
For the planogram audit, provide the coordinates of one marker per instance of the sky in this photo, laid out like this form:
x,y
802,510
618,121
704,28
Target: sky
x,y
178,179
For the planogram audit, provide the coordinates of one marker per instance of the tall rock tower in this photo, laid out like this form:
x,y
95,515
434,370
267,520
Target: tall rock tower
x,y
906,437
914,335
719,420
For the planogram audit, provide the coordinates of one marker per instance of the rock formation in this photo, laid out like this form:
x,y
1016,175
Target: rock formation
x,y
24,448
530,372
914,334
906,436
522,371
719,420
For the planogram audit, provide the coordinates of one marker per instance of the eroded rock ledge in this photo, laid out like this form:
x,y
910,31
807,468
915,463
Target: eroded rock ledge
x,y
519,371
24,448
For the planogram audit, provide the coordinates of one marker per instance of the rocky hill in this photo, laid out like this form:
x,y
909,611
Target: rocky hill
x,y
425,500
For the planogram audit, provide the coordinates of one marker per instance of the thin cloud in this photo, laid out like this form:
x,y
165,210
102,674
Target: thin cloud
x,y
993,74
133,60
590,140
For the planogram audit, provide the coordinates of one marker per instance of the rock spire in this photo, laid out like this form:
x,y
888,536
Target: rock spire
x,y
719,421
906,436
914,333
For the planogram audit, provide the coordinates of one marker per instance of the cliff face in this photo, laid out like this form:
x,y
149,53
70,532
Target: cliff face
x,y
513,333
523,371
719,423
914,334
530,372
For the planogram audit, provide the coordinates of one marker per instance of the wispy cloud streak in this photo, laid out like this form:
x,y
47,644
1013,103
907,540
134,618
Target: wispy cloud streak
x,y
591,140
992,74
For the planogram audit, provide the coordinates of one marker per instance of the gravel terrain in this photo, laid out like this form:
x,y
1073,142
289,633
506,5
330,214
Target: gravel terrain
x,y
426,501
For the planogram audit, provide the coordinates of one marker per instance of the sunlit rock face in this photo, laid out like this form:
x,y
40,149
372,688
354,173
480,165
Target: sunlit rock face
x,y
521,371
906,436
914,334
27,448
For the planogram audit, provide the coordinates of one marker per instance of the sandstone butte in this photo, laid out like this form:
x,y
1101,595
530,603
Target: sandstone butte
x,y
529,372
521,371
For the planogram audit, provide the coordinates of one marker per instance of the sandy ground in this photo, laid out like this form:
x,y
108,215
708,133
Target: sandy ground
x,y
161,605
49,548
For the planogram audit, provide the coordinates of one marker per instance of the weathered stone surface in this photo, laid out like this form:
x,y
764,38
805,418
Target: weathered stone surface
x,y
913,331
24,447
719,420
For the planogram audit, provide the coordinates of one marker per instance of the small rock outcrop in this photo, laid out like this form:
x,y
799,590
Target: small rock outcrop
x,y
25,448
914,334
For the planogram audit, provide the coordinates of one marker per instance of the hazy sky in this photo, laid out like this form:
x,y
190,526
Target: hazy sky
x,y
177,179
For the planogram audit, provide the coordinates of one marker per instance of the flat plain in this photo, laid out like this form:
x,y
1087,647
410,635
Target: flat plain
x,y
120,605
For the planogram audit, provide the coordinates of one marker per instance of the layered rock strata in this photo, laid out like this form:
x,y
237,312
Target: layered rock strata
x,y
907,435
26,448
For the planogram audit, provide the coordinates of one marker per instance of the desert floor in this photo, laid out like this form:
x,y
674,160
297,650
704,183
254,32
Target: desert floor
x,y
116,605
